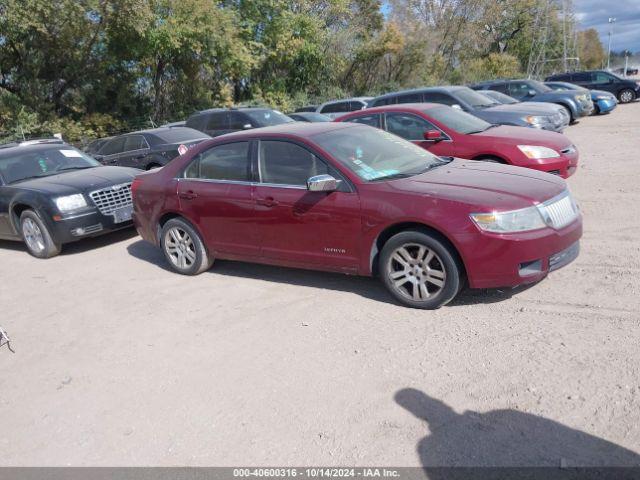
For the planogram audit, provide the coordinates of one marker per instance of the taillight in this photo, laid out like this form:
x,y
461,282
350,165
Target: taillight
x,y
182,149
134,186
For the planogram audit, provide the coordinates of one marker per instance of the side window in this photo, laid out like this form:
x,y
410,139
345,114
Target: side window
x,y
356,105
285,163
518,89
372,120
134,142
601,78
222,162
339,107
500,87
581,77
410,98
384,101
409,127
237,121
437,97
217,121
112,147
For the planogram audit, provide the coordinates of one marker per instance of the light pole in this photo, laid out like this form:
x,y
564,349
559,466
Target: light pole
x,y
612,21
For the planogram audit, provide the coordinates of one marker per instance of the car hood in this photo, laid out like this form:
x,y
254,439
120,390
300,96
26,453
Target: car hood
x,y
77,181
484,185
556,96
602,92
524,136
542,108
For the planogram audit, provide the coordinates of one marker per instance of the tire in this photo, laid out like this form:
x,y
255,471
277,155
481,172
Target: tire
x,y
491,159
36,236
626,95
183,248
151,166
426,284
568,110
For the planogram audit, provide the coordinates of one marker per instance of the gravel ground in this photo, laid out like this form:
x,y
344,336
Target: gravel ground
x,y
120,362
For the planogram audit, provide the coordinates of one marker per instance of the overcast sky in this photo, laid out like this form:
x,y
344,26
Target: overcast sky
x,y
626,31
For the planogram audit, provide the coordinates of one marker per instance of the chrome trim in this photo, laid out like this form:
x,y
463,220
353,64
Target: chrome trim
x,y
111,198
214,180
559,211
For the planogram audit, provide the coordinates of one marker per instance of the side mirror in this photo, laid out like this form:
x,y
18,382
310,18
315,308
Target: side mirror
x,y
433,136
322,183
456,106
531,93
99,158
247,126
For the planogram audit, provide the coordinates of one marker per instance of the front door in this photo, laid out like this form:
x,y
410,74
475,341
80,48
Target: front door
x,y
412,127
215,194
298,227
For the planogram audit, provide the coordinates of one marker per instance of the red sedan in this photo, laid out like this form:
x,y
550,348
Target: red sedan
x,y
358,200
445,131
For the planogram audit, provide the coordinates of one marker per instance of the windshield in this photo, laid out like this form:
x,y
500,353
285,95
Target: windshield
x,y
43,162
499,97
458,121
374,154
265,118
179,134
313,117
473,98
538,86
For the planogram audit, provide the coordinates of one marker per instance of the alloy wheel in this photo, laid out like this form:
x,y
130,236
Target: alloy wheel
x,y
33,235
180,248
626,96
416,272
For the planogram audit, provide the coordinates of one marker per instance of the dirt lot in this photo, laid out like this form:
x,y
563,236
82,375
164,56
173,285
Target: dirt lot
x,y
120,362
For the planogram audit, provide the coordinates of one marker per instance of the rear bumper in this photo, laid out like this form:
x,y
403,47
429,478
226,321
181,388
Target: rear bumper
x,y
519,259
91,224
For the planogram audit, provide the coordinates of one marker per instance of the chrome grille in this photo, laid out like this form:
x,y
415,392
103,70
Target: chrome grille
x,y
560,211
111,198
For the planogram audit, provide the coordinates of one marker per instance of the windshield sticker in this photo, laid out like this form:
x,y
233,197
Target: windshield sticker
x,y
71,153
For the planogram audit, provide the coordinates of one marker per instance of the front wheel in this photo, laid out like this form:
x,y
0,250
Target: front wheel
x,y
627,95
183,248
36,236
419,270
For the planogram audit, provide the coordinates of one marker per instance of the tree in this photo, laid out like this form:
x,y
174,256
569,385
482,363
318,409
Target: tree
x,y
590,49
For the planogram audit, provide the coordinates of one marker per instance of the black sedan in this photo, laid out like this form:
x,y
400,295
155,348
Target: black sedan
x,y
52,194
148,149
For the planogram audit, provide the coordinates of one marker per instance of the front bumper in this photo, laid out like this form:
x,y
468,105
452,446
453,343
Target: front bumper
x,y
564,166
510,260
88,224
605,106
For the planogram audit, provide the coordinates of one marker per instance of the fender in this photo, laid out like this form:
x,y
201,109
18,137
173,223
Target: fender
x,y
33,200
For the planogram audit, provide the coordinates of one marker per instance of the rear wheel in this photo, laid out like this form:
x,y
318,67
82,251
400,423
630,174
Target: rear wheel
x,y
183,248
36,236
627,95
419,270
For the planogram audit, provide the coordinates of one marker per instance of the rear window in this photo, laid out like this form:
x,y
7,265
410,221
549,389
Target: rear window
x,y
265,118
179,134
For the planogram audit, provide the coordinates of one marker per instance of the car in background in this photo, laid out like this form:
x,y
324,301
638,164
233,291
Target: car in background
x,y
577,104
624,89
470,101
180,123
603,102
95,145
448,132
148,149
336,108
630,71
307,108
309,117
533,107
219,121
300,195
52,194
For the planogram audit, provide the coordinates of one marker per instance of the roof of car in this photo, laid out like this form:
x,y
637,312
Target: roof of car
x,y
340,100
413,107
156,131
11,148
445,88
299,129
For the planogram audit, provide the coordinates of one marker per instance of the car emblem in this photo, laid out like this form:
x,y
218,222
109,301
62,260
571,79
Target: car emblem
x,y
116,187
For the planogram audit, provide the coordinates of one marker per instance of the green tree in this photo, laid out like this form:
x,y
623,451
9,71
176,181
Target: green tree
x,y
590,49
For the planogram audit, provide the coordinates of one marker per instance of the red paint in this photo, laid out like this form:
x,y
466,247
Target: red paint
x,y
500,142
337,231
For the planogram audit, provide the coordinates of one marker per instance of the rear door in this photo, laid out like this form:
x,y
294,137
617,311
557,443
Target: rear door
x,y
135,150
412,127
110,152
215,194
584,79
299,227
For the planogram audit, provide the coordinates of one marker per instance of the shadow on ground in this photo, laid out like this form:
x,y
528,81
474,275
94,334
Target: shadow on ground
x,y
366,287
504,438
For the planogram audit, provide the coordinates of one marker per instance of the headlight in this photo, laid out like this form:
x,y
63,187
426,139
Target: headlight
x,y
507,222
603,97
70,202
536,151
535,120
580,97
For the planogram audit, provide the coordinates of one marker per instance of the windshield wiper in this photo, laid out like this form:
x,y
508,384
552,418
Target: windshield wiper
x,y
74,168
393,176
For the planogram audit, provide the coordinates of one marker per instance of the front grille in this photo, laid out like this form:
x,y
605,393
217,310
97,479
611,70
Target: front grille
x,y
560,211
111,198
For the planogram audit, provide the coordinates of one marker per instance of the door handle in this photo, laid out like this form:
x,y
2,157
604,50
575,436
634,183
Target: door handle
x,y
267,202
188,195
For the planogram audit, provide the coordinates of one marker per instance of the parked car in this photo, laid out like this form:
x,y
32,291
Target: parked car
x,y
355,199
52,194
463,98
624,89
533,107
307,108
148,149
577,104
603,102
336,108
309,117
180,123
95,145
219,121
630,71
445,131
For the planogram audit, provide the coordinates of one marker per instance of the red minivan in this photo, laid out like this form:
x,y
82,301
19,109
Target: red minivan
x,y
445,131
351,198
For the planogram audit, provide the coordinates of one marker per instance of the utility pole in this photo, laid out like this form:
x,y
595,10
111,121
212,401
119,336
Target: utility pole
x,y
564,36
612,21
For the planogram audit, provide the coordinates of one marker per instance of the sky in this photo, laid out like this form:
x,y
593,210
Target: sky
x,y
626,30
